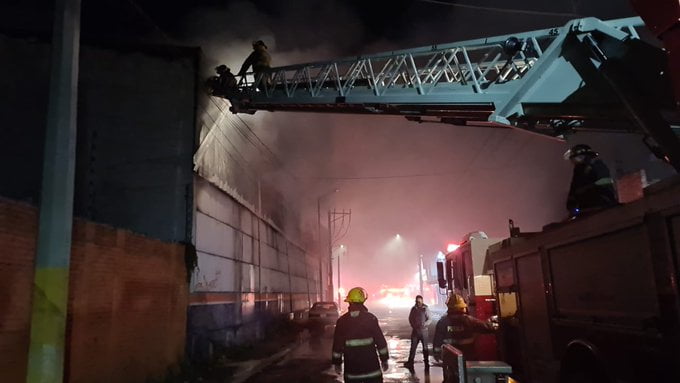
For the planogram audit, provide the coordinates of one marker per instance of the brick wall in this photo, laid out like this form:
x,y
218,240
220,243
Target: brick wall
x,y
127,301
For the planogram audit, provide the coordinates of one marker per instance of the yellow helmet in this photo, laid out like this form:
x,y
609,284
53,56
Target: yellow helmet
x,y
456,302
356,295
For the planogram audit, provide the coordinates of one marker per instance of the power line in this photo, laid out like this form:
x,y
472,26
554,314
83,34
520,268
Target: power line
x,y
266,152
243,163
236,160
149,20
245,136
240,155
503,10
217,126
273,155
248,138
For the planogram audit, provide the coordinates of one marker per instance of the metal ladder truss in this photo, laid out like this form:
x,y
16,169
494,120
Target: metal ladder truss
x,y
544,81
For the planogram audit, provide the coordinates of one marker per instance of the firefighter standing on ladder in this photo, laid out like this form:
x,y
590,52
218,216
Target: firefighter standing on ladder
x,y
458,329
360,341
260,60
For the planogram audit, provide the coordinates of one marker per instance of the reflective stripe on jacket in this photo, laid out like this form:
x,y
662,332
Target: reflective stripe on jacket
x,y
459,330
359,341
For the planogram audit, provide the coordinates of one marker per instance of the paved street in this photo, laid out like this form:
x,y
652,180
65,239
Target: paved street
x,y
311,361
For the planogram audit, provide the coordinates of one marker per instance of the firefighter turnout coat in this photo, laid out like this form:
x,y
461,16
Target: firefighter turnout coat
x,y
591,186
458,330
259,59
360,342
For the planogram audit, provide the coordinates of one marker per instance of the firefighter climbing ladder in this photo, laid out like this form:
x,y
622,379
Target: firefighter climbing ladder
x,y
584,75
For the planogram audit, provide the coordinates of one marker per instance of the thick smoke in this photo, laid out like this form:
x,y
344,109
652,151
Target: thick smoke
x,y
294,33
460,179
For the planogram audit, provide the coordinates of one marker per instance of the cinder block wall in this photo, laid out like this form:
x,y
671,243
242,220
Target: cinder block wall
x,y
127,301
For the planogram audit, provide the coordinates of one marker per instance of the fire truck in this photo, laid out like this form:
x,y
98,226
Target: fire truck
x,y
596,299
588,300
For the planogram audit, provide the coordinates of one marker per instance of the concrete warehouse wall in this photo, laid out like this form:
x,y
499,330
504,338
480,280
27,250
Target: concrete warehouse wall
x,y
127,301
232,156
136,132
247,273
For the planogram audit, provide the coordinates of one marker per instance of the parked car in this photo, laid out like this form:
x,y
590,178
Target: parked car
x,y
324,313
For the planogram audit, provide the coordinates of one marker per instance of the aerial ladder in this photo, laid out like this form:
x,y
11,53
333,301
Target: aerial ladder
x,y
586,75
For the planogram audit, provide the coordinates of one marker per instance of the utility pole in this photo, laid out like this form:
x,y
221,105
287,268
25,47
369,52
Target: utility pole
x,y
420,273
318,241
51,279
335,233
344,251
330,256
318,220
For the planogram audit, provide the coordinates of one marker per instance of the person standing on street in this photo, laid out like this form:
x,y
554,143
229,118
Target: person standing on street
x,y
419,319
359,342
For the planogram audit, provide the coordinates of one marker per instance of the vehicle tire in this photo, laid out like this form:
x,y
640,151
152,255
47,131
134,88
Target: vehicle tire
x,y
581,364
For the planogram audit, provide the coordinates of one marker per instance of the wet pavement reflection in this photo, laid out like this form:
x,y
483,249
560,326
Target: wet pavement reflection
x,y
310,362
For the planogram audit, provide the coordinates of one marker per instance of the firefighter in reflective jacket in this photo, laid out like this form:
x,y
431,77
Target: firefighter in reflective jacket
x,y
360,342
458,329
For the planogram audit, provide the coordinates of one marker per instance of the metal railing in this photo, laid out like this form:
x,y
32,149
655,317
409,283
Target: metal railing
x,y
477,66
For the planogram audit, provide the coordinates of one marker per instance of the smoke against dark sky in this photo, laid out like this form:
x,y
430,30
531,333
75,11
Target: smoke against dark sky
x,y
461,179
293,31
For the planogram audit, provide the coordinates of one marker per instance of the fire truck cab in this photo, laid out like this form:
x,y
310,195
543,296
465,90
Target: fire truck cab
x,y
463,275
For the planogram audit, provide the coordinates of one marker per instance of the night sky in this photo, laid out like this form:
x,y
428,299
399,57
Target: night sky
x,y
431,183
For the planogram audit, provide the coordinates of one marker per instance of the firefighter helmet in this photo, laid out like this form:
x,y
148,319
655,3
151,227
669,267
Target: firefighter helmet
x,y
356,295
578,150
259,43
456,302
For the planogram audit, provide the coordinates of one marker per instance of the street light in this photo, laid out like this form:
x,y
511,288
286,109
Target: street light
x,y
398,236
318,232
